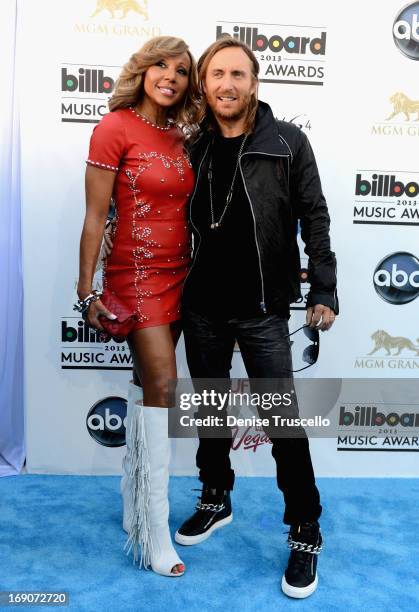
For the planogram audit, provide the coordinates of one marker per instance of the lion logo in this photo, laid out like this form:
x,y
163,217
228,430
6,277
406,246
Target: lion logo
x,y
124,6
402,104
383,340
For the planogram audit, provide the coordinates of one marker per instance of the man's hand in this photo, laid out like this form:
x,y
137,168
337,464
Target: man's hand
x,y
107,240
320,316
106,248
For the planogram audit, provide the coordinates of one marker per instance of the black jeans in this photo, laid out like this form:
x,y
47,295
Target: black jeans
x,y
266,354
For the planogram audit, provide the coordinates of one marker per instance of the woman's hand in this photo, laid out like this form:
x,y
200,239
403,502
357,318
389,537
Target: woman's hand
x,y
96,310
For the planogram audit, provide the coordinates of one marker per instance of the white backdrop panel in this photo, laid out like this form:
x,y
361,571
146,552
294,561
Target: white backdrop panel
x,y
347,122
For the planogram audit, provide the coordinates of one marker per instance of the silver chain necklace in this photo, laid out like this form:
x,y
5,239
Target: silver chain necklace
x,y
216,224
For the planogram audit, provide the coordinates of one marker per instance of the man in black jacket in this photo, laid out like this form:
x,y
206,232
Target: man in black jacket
x,y
255,178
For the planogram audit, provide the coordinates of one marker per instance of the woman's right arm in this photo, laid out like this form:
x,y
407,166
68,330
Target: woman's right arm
x,y
99,187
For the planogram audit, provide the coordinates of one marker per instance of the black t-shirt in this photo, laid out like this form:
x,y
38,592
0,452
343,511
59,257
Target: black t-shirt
x,y
225,279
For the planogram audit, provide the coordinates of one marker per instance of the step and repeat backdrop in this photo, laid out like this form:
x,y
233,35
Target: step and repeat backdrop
x,y
350,82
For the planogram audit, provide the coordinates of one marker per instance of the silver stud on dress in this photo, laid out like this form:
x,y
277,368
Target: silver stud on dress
x,y
148,122
107,166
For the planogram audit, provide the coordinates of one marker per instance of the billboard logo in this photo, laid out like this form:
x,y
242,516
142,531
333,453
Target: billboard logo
x,y
386,198
368,416
84,348
275,43
85,91
301,303
81,333
88,80
385,185
406,31
396,278
286,54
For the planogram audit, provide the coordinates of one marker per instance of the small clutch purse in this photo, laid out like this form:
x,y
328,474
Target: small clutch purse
x,y
120,327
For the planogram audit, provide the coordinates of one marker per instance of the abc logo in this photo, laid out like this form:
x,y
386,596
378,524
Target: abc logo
x,y
406,31
396,278
106,421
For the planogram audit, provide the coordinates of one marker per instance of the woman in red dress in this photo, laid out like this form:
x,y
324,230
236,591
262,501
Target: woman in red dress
x,y
137,156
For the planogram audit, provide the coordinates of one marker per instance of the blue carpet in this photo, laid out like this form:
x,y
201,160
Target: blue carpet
x,y
64,532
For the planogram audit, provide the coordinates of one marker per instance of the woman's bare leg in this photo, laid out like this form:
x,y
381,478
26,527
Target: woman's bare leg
x,y
154,360
176,331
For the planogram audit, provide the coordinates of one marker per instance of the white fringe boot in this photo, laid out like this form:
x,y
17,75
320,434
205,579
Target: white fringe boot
x,y
135,395
149,481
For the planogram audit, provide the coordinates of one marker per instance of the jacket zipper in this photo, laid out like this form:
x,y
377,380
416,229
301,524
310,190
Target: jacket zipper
x,y
262,304
190,217
335,291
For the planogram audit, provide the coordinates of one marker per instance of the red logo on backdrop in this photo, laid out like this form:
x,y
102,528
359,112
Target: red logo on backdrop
x,y
249,439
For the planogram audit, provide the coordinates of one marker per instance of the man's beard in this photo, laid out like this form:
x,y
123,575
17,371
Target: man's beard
x,y
234,115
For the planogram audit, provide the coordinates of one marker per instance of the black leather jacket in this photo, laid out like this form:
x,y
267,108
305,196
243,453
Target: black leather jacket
x,y
283,186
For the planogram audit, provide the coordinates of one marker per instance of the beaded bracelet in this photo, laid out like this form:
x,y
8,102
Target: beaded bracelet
x,y
83,305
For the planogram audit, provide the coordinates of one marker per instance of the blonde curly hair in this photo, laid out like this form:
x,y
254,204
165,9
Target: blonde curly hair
x,y
129,88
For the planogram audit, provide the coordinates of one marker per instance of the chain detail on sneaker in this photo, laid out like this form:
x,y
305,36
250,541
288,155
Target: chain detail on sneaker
x,y
213,507
213,511
300,578
303,546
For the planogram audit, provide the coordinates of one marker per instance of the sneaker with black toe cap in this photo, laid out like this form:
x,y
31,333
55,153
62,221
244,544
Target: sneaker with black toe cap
x,y
213,511
300,578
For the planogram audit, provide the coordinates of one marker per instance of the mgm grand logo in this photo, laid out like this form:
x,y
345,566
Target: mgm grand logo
x,y
120,8
394,352
403,119
118,18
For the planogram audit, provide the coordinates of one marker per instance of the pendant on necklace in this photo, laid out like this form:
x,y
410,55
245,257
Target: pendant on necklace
x,y
215,225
